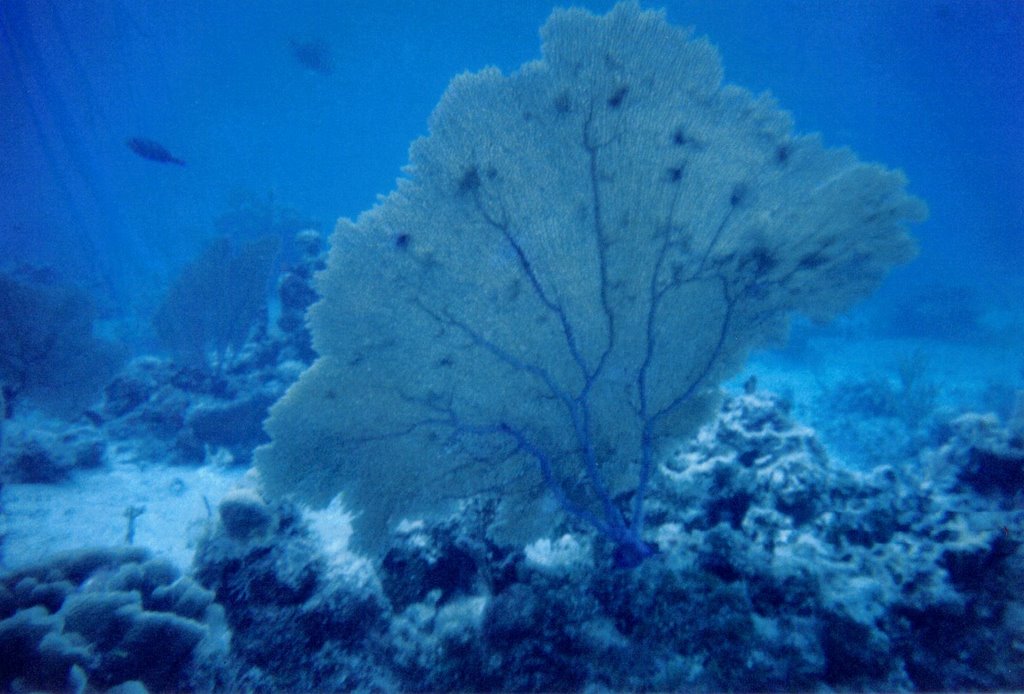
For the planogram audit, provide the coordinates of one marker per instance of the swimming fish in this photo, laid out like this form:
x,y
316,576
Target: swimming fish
x,y
313,55
154,151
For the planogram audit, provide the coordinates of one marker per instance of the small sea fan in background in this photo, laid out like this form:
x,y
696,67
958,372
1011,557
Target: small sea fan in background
x,y
217,300
47,348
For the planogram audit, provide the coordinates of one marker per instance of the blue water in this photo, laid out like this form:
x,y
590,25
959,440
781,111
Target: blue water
x,y
933,88
295,113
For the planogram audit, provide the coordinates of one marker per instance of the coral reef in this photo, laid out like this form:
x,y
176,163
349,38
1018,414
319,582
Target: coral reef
x,y
776,571
156,410
41,450
103,618
296,625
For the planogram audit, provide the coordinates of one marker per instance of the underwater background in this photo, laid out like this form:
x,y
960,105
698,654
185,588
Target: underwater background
x,y
147,146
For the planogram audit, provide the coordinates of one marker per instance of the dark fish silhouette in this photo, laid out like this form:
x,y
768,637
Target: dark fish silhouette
x,y
313,55
154,151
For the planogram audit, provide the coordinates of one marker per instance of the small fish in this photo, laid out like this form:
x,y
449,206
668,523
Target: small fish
x,y
313,55
154,151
